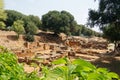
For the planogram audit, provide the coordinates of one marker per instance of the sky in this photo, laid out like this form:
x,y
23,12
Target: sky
x,y
78,8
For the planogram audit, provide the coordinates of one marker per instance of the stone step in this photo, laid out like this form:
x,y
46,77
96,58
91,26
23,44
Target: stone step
x,y
87,57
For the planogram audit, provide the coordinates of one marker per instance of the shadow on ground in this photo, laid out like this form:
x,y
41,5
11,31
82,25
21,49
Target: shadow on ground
x,y
12,37
112,63
49,37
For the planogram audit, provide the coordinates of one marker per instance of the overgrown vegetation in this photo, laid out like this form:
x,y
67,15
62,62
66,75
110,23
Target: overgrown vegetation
x,y
10,69
29,37
61,69
78,69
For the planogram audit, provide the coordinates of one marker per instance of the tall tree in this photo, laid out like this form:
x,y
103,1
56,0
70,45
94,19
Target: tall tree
x,y
59,22
107,15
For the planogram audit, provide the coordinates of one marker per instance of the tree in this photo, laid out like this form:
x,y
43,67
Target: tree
x,y
111,33
85,31
18,27
29,21
70,22
31,28
15,15
35,20
59,22
107,15
3,15
12,16
29,24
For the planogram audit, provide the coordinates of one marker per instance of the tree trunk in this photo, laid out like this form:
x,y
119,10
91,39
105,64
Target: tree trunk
x,y
18,35
117,48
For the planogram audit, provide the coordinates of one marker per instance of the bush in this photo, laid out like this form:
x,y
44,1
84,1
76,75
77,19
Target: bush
x,y
10,69
76,70
2,26
29,37
31,28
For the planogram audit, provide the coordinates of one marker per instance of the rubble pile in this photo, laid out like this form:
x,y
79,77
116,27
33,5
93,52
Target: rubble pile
x,y
98,43
48,46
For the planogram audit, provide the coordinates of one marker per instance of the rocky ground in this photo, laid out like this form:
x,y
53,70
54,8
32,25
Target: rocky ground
x,y
48,47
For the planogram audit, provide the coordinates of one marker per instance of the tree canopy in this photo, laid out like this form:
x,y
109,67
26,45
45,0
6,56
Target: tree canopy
x,y
112,33
82,30
36,20
108,12
59,22
31,28
52,21
18,27
107,15
12,16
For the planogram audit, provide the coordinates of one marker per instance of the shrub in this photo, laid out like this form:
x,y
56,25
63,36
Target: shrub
x,y
2,26
10,69
18,27
76,70
29,37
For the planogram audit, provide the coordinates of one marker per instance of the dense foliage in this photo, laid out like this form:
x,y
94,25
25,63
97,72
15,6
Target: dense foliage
x,y
85,31
29,37
77,69
64,22
59,22
61,69
10,69
36,20
18,27
112,32
107,15
13,16
53,21
31,28
28,21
